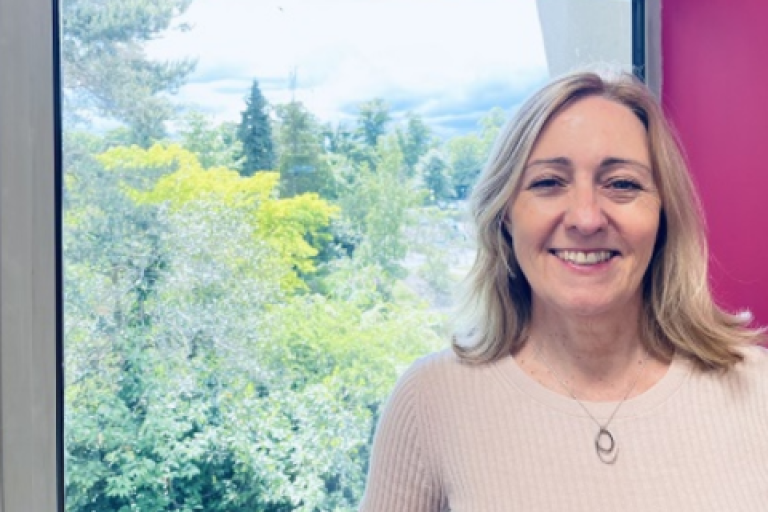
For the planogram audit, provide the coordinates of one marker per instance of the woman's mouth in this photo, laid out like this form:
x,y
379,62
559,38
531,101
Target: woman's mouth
x,y
584,257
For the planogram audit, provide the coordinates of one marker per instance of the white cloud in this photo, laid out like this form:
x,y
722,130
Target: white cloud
x,y
349,51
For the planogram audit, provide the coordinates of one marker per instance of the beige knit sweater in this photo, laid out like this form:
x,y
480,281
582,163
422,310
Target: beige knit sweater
x,y
489,438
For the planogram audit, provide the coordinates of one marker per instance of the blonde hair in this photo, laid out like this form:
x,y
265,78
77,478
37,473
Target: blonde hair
x,y
680,315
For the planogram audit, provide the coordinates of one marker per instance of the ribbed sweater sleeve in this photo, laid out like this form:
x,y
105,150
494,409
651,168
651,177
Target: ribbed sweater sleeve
x,y
401,477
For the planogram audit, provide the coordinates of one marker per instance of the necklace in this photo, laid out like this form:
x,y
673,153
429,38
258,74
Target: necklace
x,y
605,444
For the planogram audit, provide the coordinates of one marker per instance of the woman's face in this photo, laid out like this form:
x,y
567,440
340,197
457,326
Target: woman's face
x,y
586,214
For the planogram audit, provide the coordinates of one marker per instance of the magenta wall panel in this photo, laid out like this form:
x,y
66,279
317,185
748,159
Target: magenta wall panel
x,y
715,89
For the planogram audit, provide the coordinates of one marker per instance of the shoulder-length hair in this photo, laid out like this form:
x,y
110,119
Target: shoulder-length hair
x,y
679,313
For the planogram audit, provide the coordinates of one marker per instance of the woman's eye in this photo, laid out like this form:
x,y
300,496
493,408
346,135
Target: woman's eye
x,y
624,185
545,183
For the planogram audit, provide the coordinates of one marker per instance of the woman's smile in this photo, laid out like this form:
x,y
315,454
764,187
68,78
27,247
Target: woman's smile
x,y
583,258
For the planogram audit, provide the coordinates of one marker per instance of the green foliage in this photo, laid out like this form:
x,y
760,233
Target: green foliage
x,y
339,140
214,146
414,141
377,205
255,134
301,161
104,67
283,224
340,358
490,126
231,337
212,386
434,171
466,154
372,120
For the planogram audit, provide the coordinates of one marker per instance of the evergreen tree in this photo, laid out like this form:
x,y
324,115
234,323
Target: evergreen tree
x,y
299,140
414,141
466,155
434,171
372,121
106,72
255,133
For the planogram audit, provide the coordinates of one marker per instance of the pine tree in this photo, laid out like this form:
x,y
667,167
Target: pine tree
x,y
414,141
255,133
372,121
434,171
107,73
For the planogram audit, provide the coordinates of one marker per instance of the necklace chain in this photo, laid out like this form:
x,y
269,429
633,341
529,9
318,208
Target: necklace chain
x,y
605,444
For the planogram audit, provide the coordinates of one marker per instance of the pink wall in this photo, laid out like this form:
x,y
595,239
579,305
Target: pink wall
x,y
715,89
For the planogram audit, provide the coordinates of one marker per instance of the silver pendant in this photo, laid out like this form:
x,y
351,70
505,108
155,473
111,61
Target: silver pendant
x,y
605,445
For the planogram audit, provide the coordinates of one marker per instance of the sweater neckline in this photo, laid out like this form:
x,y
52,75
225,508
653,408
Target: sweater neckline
x,y
513,375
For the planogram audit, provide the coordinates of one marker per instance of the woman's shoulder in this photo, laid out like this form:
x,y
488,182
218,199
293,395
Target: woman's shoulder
x,y
438,372
428,368
440,365
755,361
749,377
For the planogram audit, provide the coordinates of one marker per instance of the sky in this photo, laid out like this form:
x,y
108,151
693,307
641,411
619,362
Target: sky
x,y
449,61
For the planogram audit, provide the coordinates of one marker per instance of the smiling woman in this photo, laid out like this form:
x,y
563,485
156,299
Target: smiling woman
x,y
593,345
588,182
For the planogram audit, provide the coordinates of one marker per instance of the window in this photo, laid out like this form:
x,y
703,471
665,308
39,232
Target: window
x,y
170,351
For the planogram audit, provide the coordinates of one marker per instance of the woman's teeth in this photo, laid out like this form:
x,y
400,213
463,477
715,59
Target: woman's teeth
x,y
584,258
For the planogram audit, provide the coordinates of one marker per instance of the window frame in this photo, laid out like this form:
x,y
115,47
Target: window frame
x,y
31,295
30,353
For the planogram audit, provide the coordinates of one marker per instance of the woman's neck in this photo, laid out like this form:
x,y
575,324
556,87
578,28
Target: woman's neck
x,y
596,358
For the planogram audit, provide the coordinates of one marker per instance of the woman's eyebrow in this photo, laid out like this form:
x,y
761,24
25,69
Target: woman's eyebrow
x,y
607,162
617,162
559,161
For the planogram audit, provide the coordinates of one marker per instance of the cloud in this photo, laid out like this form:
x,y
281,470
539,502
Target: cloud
x,y
455,111
446,60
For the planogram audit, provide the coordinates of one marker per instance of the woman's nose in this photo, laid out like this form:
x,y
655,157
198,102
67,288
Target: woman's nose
x,y
584,211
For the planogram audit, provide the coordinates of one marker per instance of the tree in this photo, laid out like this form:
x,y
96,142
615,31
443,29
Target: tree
x,y
373,117
338,139
466,154
490,126
105,70
300,148
114,257
203,373
218,384
214,146
414,142
341,141
377,204
255,134
283,224
434,172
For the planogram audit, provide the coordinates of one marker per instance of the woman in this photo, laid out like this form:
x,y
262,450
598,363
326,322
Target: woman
x,y
595,371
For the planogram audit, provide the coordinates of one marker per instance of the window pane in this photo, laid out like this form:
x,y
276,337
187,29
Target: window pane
x,y
263,228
